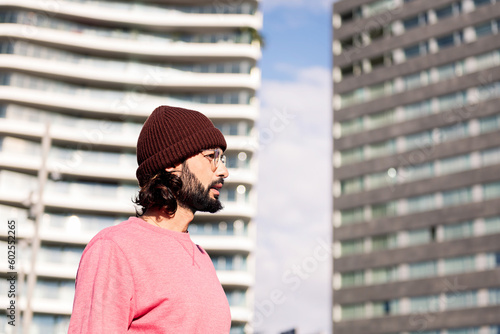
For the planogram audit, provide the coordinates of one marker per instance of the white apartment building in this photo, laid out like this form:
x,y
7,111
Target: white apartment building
x,y
90,72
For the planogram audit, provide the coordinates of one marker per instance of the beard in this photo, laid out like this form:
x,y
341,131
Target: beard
x,y
194,196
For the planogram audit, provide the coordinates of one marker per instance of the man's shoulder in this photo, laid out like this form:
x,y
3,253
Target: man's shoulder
x,y
117,233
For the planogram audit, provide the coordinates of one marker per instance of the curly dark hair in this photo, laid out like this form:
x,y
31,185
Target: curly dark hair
x,y
159,192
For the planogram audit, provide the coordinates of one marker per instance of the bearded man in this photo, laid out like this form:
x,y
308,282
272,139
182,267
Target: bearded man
x,y
145,275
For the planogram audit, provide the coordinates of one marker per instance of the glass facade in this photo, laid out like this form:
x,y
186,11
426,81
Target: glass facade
x,y
416,159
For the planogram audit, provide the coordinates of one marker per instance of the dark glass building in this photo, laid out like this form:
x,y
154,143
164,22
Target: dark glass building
x,y
416,166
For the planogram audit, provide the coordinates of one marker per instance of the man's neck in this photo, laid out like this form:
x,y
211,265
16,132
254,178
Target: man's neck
x,y
179,222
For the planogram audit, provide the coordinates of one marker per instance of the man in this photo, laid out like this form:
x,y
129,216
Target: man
x,y
145,275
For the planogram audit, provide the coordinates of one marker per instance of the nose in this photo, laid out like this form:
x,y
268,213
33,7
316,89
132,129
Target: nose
x,y
222,171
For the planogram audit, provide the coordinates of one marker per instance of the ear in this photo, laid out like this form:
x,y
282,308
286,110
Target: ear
x,y
176,168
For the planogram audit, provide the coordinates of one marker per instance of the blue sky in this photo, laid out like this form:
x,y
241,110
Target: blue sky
x,y
293,287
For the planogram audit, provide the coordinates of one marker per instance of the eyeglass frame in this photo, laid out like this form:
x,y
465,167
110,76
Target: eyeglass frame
x,y
218,157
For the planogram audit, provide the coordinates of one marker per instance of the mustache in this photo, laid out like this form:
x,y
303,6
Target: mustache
x,y
216,182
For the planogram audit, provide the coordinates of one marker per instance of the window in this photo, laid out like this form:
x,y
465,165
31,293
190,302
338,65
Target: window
x,y
421,203
454,164
494,296
415,21
50,324
380,61
451,101
449,10
421,236
459,265
235,329
488,91
228,194
355,246
459,300
447,71
417,172
351,156
350,42
492,225
381,118
487,60
418,109
377,180
422,269
488,124
350,216
424,304
495,329
457,196
454,131
60,255
491,190
350,15
353,311
354,97
463,331
458,231
492,260
416,50
384,275
445,41
80,222
350,70
490,156
382,148
484,29
379,90
382,242
418,140
226,262
353,278
413,81
378,7
236,297
352,185
479,3
380,32
351,126
383,308
382,210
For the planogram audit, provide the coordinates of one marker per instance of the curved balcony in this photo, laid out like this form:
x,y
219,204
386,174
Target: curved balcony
x,y
235,278
83,204
147,50
152,79
85,170
123,105
100,198
241,314
238,176
213,243
66,135
146,17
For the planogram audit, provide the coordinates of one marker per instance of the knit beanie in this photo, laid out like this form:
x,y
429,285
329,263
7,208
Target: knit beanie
x,y
169,136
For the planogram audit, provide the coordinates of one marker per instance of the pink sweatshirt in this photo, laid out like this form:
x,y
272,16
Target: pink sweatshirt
x,y
139,278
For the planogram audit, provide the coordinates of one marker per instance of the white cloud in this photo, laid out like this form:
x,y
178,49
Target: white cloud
x,y
294,199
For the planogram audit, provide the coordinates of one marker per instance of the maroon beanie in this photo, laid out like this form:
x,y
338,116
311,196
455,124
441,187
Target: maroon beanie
x,y
171,135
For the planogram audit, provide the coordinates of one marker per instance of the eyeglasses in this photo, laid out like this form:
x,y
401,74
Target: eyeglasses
x,y
215,158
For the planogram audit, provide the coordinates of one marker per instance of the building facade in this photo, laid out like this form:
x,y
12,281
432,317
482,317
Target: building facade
x,y
82,76
416,166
